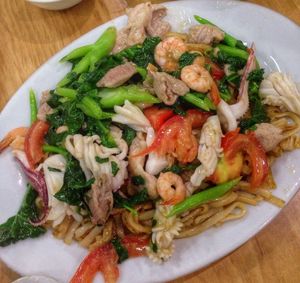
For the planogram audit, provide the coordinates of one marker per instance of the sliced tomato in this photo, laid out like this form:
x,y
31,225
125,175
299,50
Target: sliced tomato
x,y
157,116
234,143
197,117
216,72
215,94
33,142
175,137
104,259
135,245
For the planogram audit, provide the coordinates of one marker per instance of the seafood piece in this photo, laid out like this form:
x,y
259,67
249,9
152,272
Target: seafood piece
x,y
132,116
136,165
87,150
101,201
268,135
167,88
279,89
44,108
117,75
206,34
168,52
163,233
155,163
197,78
230,113
171,188
208,152
12,136
54,181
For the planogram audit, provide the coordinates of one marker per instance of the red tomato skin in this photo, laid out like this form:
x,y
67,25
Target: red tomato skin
x,y
104,259
34,140
197,117
135,245
248,143
157,116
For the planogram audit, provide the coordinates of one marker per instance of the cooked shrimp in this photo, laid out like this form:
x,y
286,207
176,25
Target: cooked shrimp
x,y
197,78
11,136
168,52
171,188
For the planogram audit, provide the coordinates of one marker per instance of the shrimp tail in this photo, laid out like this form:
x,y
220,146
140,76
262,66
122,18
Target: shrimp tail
x,y
11,136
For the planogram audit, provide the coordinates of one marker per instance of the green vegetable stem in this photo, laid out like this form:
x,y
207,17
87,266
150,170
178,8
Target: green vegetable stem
x,y
90,107
77,53
100,49
54,149
117,96
33,106
202,197
232,51
66,92
202,102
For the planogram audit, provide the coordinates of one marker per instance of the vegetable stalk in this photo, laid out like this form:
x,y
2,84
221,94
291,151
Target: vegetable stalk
x,y
233,52
202,197
33,106
202,102
54,149
132,93
100,49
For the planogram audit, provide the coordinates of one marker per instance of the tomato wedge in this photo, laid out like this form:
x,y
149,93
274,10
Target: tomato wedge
x,y
175,137
234,143
33,142
105,260
135,245
216,72
196,117
157,116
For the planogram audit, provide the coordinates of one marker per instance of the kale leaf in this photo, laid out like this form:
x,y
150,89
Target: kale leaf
x,y
100,128
18,227
178,169
187,59
138,180
140,197
128,134
75,185
234,62
257,109
120,249
141,55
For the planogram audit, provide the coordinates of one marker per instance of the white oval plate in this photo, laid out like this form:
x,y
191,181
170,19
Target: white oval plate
x,y
278,43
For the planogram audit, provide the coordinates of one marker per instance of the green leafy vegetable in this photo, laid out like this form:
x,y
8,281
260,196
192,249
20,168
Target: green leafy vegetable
x,y
153,246
186,59
75,185
257,109
101,160
128,134
51,169
178,169
120,249
138,180
18,227
140,197
114,168
236,63
97,127
142,55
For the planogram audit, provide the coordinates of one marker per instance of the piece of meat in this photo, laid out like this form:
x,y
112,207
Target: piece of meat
x,y
121,41
157,26
101,202
118,75
268,135
143,19
206,34
167,88
45,97
43,111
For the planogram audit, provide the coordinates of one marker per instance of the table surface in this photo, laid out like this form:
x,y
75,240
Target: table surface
x,y
29,36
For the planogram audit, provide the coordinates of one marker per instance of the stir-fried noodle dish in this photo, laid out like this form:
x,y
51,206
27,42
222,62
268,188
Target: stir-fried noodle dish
x,y
154,135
